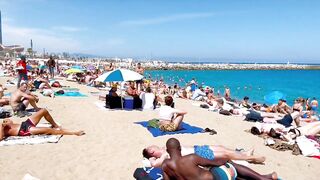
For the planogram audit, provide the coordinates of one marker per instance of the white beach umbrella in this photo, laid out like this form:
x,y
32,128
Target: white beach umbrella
x,y
119,75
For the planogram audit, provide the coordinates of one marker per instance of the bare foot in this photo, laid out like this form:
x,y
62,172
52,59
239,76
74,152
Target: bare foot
x,y
273,176
80,133
258,160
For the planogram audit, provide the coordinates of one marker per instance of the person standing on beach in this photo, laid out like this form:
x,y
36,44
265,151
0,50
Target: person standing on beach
x,y
314,106
22,70
51,65
139,70
193,85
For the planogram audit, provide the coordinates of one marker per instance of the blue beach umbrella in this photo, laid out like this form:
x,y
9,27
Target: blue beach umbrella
x,y
29,67
274,97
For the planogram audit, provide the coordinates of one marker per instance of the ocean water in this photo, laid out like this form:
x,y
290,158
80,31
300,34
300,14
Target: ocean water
x,y
252,83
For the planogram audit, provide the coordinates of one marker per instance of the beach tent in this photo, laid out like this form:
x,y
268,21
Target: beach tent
x,y
119,75
273,97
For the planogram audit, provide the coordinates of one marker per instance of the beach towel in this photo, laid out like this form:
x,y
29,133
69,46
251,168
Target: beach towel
x,y
71,94
308,147
33,139
148,173
186,128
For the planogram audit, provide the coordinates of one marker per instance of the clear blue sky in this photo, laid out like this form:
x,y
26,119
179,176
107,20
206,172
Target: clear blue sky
x,y
238,30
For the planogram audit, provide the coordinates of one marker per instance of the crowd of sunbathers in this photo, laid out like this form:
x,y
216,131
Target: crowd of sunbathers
x,y
29,79
176,161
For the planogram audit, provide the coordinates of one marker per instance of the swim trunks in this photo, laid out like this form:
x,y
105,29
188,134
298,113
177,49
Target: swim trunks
x,y
225,172
168,127
286,120
37,84
25,127
204,151
20,107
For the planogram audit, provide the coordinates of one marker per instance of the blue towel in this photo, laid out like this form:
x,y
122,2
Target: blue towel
x,y
154,173
186,128
72,94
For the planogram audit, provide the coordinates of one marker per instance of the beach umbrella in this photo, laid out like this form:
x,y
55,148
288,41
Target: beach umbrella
x,y
29,67
91,68
119,75
43,67
70,71
77,67
273,97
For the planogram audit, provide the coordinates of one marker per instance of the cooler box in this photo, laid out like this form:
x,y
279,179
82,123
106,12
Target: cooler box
x,y
128,102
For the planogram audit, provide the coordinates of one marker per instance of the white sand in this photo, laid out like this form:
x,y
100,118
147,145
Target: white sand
x,y
111,148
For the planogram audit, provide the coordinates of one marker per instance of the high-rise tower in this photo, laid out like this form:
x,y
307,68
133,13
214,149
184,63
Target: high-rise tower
x,y
0,29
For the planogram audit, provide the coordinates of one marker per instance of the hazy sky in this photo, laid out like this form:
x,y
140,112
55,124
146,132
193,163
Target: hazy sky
x,y
238,30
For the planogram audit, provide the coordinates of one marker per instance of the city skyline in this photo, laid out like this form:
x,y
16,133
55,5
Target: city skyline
x,y
223,31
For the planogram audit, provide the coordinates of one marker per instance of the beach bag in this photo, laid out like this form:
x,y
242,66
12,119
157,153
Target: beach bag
x,y
225,112
254,116
205,106
55,84
141,174
154,123
4,113
60,92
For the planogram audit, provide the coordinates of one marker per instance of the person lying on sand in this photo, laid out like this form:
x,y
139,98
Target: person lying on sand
x,y
157,155
279,131
21,98
28,127
187,167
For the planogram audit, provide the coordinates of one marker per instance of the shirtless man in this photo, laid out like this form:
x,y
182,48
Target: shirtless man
x,y
20,99
187,167
157,155
28,127
139,70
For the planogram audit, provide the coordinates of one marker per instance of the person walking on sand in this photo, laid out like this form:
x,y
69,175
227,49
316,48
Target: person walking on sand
x,y
51,65
28,127
139,83
22,70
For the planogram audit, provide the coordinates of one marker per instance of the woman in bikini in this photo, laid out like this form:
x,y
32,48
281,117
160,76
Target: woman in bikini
x,y
28,127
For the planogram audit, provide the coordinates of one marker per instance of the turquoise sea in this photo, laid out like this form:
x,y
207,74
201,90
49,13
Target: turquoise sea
x,y
252,83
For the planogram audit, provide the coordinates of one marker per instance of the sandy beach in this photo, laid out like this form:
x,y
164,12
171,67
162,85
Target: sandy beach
x,y
111,148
